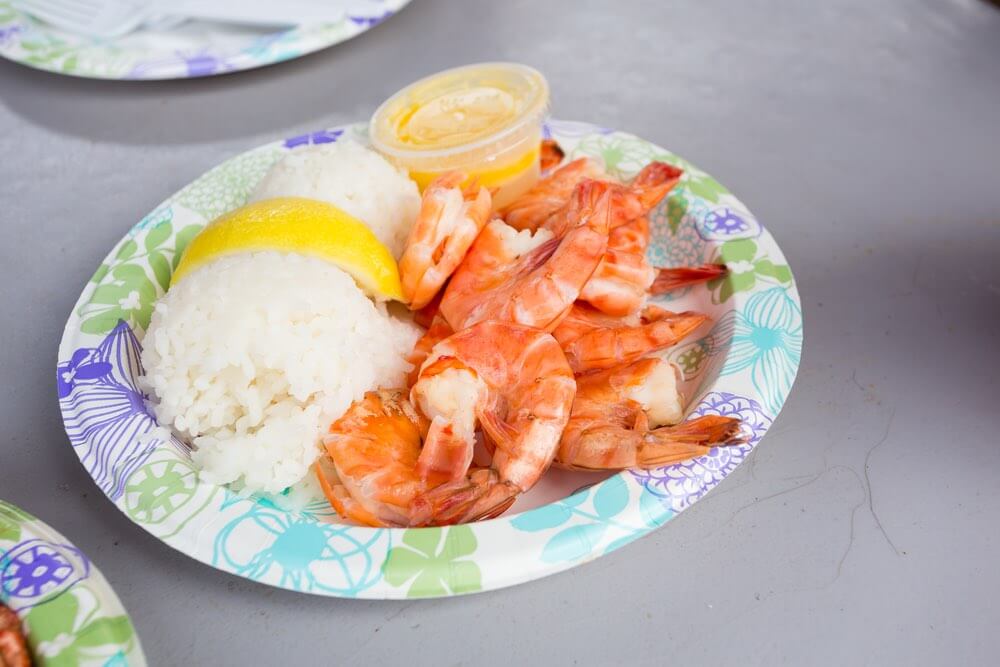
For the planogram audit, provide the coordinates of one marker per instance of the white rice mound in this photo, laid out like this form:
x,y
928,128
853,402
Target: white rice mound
x,y
252,356
354,178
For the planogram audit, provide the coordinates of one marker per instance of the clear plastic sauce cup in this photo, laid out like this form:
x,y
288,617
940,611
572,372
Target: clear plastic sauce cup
x,y
484,120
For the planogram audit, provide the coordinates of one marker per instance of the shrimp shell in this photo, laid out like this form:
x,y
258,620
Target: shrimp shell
x,y
535,289
448,223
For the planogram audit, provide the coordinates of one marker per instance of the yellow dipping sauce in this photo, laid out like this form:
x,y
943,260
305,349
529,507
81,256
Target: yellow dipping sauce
x,y
484,120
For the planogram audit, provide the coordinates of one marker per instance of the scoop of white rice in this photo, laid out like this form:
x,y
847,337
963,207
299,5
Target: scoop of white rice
x,y
354,178
252,356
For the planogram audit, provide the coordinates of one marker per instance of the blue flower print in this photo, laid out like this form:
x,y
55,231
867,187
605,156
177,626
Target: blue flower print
x,y
765,337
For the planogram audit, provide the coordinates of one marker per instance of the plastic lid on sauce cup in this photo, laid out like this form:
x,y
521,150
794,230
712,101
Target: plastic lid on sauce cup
x,y
463,118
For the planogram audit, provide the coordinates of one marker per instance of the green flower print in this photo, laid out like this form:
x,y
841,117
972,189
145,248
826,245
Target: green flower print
x,y
158,489
64,633
434,571
229,185
704,186
677,205
746,267
694,181
125,289
49,52
623,154
11,519
128,296
690,358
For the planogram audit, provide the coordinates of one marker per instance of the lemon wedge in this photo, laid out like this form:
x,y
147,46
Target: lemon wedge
x,y
303,226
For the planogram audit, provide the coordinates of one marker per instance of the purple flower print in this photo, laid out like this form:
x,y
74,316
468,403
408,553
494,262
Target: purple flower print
x,y
321,137
83,365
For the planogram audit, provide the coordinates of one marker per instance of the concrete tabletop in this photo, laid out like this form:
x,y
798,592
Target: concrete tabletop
x,y
864,135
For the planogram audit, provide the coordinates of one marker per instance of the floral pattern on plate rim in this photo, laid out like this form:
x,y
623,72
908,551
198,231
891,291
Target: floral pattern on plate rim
x,y
25,40
71,615
745,365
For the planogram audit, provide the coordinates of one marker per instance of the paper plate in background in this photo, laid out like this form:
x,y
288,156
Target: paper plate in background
x,y
193,49
743,365
69,612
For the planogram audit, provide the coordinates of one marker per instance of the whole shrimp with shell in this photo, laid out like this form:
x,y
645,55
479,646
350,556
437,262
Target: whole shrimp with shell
x,y
449,220
398,461
627,417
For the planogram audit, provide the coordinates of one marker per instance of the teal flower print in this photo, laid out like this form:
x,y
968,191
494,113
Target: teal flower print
x,y
294,551
765,338
436,567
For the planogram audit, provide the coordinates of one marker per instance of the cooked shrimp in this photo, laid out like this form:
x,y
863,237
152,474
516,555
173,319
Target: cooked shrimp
x,y
620,283
436,332
448,223
550,194
593,340
628,202
387,464
374,449
13,647
654,181
552,154
624,278
529,279
515,381
340,499
371,473
620,416
425,316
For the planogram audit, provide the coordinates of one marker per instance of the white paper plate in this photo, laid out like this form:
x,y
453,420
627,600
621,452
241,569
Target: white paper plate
x,y
744,366
193,49
70,614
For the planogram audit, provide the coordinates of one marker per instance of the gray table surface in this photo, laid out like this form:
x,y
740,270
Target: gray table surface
x,y
865,135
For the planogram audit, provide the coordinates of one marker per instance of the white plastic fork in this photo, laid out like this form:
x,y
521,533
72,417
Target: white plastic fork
x,y
96,18
113,18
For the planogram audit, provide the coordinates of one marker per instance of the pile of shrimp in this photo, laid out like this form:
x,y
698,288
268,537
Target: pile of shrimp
x,y
540,344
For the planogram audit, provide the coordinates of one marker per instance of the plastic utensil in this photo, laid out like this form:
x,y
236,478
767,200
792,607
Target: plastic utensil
x,y
113,18
95,18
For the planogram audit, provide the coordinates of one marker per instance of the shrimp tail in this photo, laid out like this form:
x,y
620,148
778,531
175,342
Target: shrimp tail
x,y
653,183
481,495
675,278
697,437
